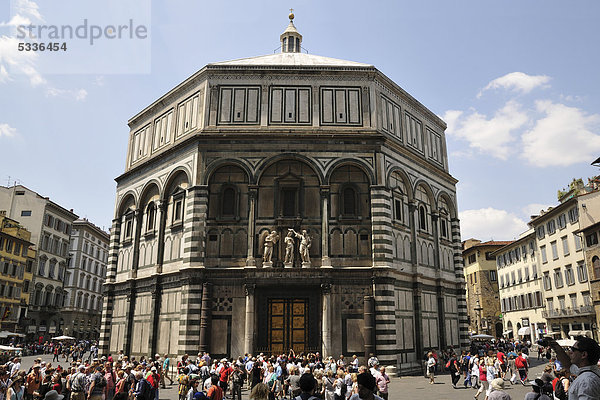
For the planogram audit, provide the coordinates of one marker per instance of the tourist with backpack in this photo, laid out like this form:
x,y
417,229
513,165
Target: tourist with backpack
x,y
560,385
521,364
98,385
143,390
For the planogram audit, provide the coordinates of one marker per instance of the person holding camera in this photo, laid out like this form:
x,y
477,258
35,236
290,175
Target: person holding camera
x,y
581,360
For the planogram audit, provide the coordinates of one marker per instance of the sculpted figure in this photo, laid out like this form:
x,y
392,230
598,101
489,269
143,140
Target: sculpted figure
x,y
289,247
270,241
305,244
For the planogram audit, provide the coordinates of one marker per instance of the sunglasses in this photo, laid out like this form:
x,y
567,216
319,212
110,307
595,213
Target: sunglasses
x,y
573,349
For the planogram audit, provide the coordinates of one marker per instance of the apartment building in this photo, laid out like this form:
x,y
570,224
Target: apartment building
x,y
84,280
16,263
568,305
520,286
589,215
50,227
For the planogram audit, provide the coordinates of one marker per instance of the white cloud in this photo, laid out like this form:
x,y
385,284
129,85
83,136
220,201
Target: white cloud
x,y
517,82
79,94
16,20
27,8
563,136
534,209
490,223
13,60
491,135
18,61
7,130
99,81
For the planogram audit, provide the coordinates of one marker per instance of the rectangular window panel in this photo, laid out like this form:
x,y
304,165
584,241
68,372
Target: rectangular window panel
x,y
276,105
565,244
194,121
385,111
226,97
238,105
577,239
180,120
354,106
327,106
340,106
290,105
253,101
304,106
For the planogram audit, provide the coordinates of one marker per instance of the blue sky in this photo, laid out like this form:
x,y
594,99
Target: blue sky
x,y
517,81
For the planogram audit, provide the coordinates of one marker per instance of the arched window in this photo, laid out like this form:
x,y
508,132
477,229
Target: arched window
x,y
422,218
52,268
150,216
178,199
48,301
596,265
444,233
349,206
42,266
58,302
128,227
228,202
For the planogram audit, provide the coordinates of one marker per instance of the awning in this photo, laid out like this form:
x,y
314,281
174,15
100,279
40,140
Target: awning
x,y
5,334
580,333
506,333
524,331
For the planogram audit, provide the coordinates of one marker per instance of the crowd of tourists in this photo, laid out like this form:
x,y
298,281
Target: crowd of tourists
x,y
488,365
569,374
286,376
279,377
75,350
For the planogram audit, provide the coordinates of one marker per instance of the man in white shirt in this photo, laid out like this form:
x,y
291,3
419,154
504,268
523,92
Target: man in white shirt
x,y
16,366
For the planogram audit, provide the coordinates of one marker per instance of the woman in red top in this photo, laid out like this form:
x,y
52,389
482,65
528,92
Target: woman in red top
x,y
482,378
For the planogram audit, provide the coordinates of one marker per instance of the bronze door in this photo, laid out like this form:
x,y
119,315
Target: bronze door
x,y
287,325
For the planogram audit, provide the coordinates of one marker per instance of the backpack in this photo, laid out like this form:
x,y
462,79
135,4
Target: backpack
x,y
559,390
519,362
101,381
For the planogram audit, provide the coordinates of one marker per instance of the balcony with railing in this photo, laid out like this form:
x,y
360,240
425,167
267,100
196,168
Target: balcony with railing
x,y
568,312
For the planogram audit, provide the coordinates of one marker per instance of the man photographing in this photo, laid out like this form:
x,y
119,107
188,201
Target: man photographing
x,y
581,360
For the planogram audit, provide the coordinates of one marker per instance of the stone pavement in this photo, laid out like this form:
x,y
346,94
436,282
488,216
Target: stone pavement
x,y
407,387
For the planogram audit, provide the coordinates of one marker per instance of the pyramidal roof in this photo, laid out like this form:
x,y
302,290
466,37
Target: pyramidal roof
x,y
291,54
291,59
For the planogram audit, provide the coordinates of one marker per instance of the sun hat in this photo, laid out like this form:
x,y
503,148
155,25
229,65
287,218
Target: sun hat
x,y
53,395
497,384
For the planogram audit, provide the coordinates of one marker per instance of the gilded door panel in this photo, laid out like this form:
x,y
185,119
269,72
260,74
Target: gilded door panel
x,y
287,324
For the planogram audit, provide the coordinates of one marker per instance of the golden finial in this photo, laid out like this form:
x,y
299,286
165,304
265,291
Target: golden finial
x,y
291,14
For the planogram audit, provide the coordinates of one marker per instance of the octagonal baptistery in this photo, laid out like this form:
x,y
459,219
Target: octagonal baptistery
x,y
288,201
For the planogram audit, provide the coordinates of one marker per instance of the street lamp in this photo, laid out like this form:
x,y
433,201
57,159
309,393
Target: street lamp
x,y
478,310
